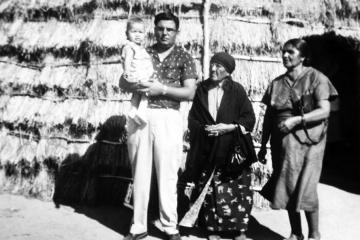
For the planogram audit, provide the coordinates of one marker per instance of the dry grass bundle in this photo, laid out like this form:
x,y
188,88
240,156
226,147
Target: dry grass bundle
x,y
98,81
54,36
8,148
104,37
41,187
15,106
285,32
107,33
255,76
240,37
9,30
34,35
26,151
104,110
55,149
3,37
63,77
190,31
352,33
105,80
3,101
72,109
23,109
78,118
26,4
304,8
11,73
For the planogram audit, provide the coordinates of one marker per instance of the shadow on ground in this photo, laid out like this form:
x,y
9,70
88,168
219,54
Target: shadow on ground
x,y
256,231
118,219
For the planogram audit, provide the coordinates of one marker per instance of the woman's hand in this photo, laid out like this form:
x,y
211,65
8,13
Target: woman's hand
x,y
219,129
288,124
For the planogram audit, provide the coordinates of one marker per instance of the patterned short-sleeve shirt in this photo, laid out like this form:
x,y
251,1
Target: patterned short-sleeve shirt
x,y
177,67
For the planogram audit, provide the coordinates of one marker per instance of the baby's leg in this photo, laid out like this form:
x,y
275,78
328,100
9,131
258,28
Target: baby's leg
x,y
141,110
133,113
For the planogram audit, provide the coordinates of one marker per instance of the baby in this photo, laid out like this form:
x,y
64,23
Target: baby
x,y
137,66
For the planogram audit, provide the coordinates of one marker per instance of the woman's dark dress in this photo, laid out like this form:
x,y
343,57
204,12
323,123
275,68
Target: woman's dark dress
x,y
226,208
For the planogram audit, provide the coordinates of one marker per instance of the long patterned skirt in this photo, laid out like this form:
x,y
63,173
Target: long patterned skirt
x,y
228,202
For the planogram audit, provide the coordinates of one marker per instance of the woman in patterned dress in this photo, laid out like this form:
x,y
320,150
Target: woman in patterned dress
x,y
219,107
297,154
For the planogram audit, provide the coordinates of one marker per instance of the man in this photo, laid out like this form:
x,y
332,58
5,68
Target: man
x,y
159,141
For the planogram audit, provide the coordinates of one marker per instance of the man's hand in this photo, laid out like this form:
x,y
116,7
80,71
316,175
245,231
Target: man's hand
x,y
151,88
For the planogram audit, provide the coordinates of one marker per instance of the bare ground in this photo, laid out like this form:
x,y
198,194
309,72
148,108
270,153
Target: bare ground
x,y
32,219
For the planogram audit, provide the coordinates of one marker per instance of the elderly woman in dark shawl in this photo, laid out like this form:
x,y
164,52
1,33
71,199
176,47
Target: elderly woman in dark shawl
x,y
298,106
220,107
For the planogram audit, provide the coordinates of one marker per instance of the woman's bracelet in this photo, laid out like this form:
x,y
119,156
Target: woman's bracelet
x,y
164,89
303,122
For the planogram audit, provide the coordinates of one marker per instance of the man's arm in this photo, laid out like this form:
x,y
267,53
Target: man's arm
x,y
186,92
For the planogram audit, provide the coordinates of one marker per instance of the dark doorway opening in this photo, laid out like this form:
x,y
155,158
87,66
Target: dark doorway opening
x,y
338,58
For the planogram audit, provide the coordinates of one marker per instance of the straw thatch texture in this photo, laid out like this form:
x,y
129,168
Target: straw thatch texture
x,y
106,37
285,32
20,109
348,33
61,109
11,73
87,9
100,81
255,76
28,4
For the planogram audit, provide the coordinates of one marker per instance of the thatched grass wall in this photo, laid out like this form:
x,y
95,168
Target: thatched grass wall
x,y
60,103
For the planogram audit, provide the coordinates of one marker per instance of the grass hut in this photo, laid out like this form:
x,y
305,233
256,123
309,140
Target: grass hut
x,y
61,110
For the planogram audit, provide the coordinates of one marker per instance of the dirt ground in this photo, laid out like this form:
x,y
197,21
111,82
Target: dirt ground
x,y
32,219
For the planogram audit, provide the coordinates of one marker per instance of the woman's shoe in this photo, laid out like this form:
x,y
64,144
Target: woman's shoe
x,y
295,237
214,237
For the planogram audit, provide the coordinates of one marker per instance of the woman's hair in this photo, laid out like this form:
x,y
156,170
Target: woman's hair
x,y
131,21
167,16
301,45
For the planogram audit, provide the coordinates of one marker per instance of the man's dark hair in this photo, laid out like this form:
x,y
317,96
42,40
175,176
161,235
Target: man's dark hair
x,y
167,16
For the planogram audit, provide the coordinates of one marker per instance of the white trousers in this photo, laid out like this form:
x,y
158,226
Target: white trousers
x,y
158,142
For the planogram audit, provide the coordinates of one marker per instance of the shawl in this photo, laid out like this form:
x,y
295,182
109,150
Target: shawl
x,y
235,107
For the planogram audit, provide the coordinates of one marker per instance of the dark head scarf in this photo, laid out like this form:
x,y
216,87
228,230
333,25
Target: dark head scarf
x,y
225,60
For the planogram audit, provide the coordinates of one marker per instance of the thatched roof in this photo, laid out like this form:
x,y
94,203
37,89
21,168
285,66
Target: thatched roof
x,y
20,109
106,37
305,8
